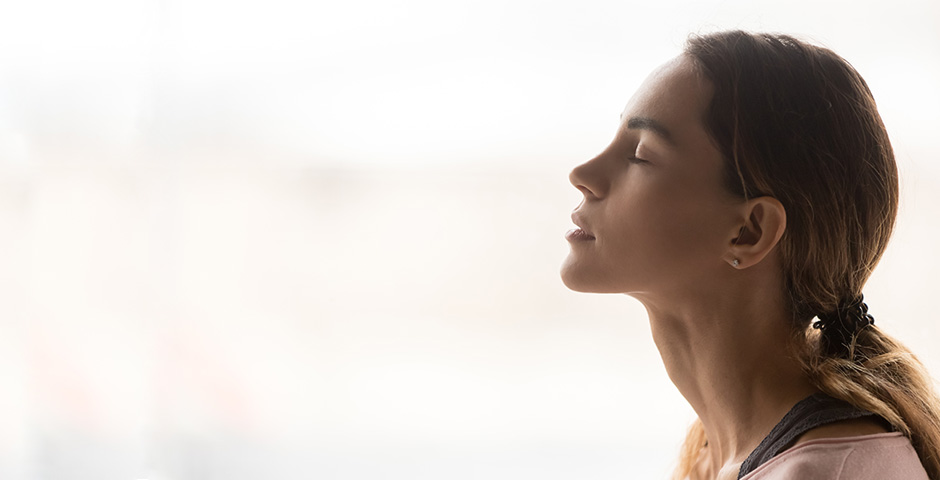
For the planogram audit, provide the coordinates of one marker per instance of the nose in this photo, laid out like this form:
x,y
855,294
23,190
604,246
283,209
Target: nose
x,y
589,179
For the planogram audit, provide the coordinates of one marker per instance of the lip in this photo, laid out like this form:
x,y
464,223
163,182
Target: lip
x,y
580,233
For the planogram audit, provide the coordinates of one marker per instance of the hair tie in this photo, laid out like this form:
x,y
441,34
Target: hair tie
x,y
848,318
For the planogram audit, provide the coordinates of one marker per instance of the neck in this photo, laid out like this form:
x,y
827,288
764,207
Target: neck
x,y
730,357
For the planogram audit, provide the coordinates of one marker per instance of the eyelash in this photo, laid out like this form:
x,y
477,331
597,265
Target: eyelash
x,y
635,159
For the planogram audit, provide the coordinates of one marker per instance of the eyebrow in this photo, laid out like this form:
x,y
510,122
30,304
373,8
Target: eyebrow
x,y
646,123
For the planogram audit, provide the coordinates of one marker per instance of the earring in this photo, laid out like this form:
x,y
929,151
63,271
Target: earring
x,y
734,263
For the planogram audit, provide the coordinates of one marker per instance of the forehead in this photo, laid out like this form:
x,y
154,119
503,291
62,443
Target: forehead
x,y
675,95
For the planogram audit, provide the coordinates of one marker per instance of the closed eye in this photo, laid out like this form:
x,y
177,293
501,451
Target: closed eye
x,y
635,159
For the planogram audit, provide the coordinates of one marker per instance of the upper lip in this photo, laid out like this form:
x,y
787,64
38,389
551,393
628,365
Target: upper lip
x,y
578,220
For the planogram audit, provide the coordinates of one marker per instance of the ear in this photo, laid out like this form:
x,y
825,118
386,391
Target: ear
x,y
764,222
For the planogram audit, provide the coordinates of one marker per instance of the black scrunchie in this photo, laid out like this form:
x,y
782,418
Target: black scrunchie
x,y
849,318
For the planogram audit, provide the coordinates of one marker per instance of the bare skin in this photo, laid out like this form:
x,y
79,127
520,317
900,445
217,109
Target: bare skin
x,y
658,224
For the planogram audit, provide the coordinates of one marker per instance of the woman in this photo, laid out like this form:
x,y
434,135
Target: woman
x,y
746,198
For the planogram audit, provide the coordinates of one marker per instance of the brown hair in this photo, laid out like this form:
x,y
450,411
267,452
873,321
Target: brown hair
x,y
798,123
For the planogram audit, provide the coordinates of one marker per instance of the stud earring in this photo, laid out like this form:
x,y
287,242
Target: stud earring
x,y
734,263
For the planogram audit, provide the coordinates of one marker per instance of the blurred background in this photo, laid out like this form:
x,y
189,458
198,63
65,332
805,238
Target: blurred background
x,y
245,240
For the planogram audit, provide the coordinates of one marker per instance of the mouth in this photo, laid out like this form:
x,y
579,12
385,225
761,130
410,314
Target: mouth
x,y
581,233
578,235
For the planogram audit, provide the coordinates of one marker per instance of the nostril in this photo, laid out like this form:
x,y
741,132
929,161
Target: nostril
x,y
589,193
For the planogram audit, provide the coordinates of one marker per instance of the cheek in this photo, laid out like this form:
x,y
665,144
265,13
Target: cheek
x,y
673,227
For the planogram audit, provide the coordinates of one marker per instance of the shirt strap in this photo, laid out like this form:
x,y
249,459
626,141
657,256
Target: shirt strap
x,y
811,412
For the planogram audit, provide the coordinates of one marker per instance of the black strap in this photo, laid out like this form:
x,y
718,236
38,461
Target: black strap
x,y
809,413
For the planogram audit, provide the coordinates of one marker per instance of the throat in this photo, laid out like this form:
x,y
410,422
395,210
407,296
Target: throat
x,y
738,374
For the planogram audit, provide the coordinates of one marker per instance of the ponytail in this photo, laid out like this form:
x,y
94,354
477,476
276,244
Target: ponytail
x,y
882,376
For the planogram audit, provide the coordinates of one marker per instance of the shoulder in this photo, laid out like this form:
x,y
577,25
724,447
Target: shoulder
x,y
882,456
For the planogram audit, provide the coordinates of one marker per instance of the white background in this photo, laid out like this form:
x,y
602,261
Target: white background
x,y
282,239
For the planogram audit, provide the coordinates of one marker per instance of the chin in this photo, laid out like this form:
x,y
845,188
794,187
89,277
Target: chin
x,y
582,280
574,284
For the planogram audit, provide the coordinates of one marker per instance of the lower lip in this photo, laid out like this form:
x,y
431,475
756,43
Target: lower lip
x,y
577,235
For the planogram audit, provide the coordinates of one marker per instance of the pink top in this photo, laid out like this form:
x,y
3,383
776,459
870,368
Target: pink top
x,y
883,456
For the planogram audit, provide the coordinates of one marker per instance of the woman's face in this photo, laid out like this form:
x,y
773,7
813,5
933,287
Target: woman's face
x,y
656,217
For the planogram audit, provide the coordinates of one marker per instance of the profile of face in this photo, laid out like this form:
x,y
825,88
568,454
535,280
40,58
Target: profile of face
x,y
656,218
